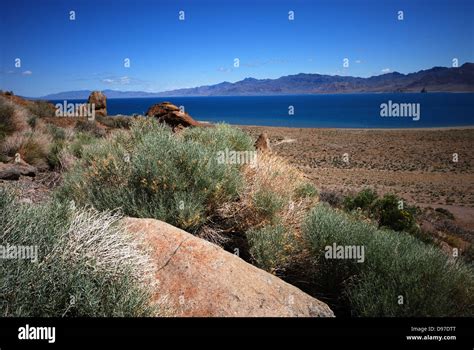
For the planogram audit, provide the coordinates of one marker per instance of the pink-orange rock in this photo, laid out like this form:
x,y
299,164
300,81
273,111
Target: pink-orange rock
x,y
201,279
171,115
100,102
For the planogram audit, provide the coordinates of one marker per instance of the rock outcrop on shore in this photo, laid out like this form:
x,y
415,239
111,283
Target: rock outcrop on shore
x,y
263,143
171,115
100,102
201,279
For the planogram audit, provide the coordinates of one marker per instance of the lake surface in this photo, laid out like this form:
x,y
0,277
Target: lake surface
x,y
334,110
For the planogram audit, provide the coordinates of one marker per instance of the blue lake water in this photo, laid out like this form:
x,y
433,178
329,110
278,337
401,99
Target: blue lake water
x,y
334,110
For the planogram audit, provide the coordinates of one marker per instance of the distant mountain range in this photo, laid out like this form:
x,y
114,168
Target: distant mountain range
x,y
439,79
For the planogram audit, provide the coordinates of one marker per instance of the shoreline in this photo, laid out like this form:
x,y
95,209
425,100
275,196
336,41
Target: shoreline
x,y
460,127
434,128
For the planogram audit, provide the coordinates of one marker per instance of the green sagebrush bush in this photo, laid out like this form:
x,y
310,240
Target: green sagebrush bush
x,y
386,211
151,172
362,200
395,265
270,246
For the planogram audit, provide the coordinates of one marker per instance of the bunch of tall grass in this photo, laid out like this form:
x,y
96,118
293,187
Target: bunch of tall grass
x,y
275,192
41,108
86,263
11,119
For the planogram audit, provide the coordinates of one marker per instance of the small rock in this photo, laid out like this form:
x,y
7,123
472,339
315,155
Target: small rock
x,y
263,143
9,172
13,171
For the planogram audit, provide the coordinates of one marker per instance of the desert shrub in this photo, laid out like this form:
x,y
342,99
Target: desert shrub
x,y
54,155
89,126
267,204
306,190
333,198
271,246
363,200
56,132
388,214
445,212
395,264
453,241
36,149
220,137
452,227
6,114
32,146
322,228
270,210
80,142
41,108
423,235
468,255
16,135
11,118
60,140
33,121
12,144
269,195
386,211
87,265
67,147
115,122
150,172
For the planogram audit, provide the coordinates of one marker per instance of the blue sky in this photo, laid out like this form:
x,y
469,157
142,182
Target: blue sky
x,y
58,54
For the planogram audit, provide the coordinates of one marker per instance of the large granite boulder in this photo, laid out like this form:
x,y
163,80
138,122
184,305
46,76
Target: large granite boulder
x,y
201,279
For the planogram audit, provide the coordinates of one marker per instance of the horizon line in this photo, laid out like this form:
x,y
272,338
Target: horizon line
x,y
237,81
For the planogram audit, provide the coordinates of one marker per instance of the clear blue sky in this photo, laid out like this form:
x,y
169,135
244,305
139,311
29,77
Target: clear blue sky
x,y
165,53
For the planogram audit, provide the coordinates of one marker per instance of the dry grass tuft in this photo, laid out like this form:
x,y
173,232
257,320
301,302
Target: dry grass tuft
x,y
270,194
66,159
13,118
102,238
23,133
33,147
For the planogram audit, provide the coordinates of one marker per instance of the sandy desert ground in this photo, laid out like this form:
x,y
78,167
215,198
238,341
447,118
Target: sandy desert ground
x,y
417,164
